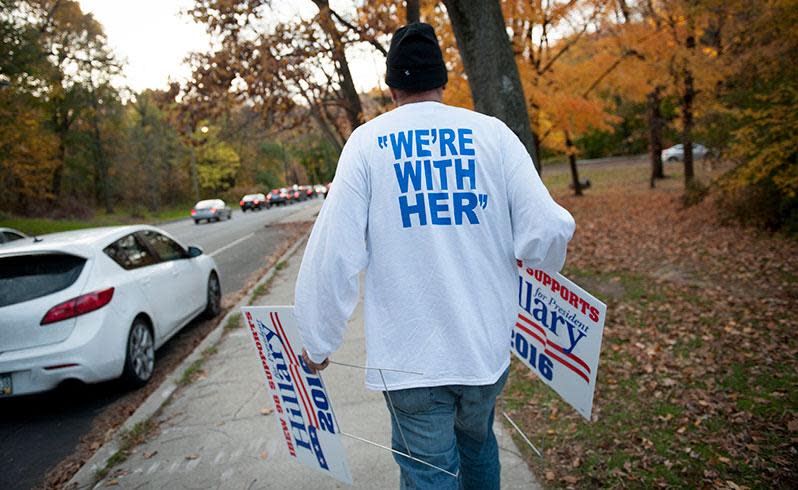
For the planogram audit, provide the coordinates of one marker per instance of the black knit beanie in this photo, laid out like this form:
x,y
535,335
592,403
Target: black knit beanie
x,y
415,62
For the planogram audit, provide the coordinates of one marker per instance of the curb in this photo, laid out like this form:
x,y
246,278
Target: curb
x,y
85,476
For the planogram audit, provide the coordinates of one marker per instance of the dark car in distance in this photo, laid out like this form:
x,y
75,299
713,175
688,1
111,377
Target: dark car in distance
x,y
277,197
254,202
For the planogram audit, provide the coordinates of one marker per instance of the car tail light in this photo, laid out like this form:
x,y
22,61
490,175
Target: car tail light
x,y
213,210
193,212
241,203
78,306
257,202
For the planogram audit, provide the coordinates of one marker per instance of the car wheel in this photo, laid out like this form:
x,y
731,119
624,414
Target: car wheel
x,y
673,159
140,354
196,221
213,304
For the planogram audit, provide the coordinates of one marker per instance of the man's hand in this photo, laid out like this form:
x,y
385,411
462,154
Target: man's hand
x,y
312,365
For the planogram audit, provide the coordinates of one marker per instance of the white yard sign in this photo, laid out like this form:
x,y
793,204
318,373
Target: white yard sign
x,y
558,334
300,400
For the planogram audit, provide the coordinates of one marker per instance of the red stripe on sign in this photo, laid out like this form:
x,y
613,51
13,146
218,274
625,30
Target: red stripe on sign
x,y
531,333
567,364
571,355
530,322
303,395
279,327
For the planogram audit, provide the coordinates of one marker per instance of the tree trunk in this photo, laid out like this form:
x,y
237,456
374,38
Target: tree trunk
x,y
569,145
687,118
489,63
153,176
315,113
58,172
193,173
353,108
101,160
655,124
413,11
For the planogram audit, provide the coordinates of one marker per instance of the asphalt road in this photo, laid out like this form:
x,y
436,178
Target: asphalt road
x,y
37,432
238,245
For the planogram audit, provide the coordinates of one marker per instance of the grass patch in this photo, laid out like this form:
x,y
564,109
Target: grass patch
x,y
233,323
263,288
42,226
191,372
195,368
127,441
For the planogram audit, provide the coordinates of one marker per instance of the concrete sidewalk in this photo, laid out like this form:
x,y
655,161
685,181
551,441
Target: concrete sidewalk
x,y
213,434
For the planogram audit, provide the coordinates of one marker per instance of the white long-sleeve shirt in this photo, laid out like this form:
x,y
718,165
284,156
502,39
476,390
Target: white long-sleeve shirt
x,y
436,203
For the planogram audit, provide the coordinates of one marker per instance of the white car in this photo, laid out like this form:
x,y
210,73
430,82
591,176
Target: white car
x,y
95,304
676,153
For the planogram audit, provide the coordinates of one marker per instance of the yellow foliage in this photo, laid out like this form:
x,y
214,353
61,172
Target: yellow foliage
x,y
27,151
767,144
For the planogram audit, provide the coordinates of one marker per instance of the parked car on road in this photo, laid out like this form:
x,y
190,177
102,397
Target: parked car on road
x,y
8,235
289,195
277,197
255,202
676,153
95,304
320,190
297,194
211,210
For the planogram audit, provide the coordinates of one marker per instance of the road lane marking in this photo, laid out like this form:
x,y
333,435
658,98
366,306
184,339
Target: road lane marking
x,y
231,244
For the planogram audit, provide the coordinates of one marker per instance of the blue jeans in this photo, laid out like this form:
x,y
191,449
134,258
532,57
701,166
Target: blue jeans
x,y
450,427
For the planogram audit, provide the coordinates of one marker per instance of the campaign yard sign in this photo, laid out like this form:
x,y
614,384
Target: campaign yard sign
x,y
300,400
557,334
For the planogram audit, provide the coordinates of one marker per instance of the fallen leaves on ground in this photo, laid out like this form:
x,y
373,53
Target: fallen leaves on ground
x,y
266,410
697,382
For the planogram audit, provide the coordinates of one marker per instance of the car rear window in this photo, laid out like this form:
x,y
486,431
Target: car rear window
x,y
210,203
27,277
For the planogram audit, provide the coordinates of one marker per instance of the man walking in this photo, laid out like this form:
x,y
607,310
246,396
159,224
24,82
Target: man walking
x,y
436,203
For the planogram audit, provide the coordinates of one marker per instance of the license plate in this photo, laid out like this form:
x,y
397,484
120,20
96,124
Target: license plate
x,y
6,388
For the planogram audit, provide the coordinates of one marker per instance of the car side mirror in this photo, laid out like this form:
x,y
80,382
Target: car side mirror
x,y
194,251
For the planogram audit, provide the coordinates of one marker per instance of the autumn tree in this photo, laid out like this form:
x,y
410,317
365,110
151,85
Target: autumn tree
x,y
76,46
758,105
487,56
217,162
296,71
27,148
691,61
